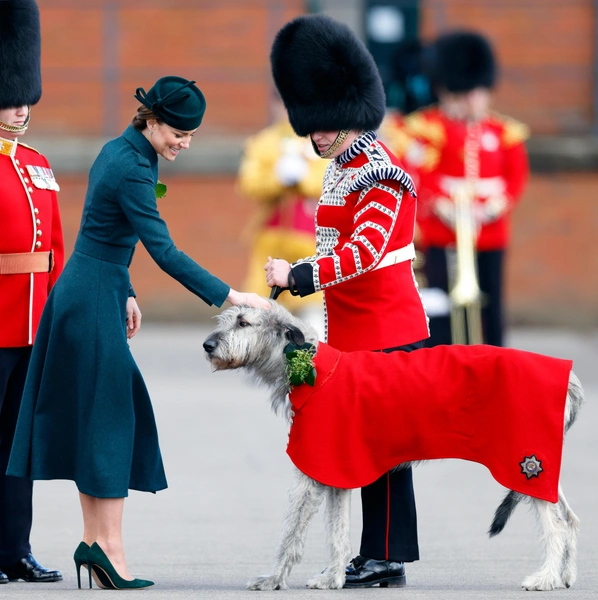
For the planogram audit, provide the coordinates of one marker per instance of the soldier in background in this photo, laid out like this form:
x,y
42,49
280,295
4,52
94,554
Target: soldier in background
x,y
461,141
31,258
282,174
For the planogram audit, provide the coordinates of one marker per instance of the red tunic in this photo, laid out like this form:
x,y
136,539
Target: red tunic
x,y
433,148
364,230
369,412
26,208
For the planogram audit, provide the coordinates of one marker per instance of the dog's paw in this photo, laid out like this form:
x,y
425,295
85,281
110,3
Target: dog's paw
x,y
569,575
266,583
327,580
542,582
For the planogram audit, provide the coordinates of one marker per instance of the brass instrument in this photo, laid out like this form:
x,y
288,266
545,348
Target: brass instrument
x,y
465,294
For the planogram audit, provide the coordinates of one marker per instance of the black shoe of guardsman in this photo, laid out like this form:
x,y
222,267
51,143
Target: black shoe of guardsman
x,y
3,577
366,572
28,569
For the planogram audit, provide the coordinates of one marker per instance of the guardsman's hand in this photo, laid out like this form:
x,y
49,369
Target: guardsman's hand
x,y
445,211
277,272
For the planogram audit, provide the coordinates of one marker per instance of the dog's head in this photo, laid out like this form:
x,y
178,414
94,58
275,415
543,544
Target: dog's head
x,y
253,338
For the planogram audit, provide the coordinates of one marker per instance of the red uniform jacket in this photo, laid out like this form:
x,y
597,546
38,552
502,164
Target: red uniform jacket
x,y
29,222
365,221
441,153
370,411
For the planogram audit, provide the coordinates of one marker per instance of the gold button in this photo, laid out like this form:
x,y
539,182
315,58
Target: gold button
x,y
38,222
30,189
38,244
26,180
22,170
17,161
38,233
36,211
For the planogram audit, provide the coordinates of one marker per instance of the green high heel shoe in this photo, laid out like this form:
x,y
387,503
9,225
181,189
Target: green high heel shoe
x,y
100,565
80,558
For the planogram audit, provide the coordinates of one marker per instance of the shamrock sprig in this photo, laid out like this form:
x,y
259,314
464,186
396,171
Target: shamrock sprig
x,y
160,190
299,366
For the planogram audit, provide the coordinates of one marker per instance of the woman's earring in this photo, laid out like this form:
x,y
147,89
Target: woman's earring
x,y
151,132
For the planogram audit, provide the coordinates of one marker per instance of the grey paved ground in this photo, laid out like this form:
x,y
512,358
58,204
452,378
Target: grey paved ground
x,y
217,524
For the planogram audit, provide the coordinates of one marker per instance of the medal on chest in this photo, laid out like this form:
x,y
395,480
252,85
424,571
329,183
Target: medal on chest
x,y
42,178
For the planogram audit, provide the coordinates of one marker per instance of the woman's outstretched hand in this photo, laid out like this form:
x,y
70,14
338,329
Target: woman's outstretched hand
x,y
133,317
247,299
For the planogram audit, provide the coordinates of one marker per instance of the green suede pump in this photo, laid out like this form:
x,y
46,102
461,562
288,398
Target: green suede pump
x,y
101,566
80,557
81,560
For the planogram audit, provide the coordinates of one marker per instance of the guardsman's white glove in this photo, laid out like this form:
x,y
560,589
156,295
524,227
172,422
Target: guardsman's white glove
x,y
444,209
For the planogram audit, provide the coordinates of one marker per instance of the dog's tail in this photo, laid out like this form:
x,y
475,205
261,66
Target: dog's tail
x,y
503,512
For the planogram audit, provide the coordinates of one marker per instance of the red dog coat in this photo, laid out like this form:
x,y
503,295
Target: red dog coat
x,y
370,411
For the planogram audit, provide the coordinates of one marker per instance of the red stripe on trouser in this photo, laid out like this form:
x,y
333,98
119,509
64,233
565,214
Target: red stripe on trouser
x,y
387,511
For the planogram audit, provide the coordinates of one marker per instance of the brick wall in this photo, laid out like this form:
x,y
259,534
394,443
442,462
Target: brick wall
x,y
552,264
551,272
95,53
545,49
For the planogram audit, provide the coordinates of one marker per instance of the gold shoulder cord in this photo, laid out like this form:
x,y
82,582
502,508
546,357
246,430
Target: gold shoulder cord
x,y
340,138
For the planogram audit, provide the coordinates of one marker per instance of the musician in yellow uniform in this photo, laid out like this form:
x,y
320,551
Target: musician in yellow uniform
x,y
282,174
460,143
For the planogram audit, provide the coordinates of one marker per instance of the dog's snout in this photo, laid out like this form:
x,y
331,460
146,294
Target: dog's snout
x,y
210,344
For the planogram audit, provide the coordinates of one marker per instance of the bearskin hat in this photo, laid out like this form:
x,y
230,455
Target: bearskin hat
x,y
326,77
20,53
462,61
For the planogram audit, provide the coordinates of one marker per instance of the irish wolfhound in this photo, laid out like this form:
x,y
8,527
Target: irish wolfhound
x,y
256,339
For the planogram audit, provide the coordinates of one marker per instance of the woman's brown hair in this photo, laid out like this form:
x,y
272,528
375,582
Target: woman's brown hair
x,y
144,115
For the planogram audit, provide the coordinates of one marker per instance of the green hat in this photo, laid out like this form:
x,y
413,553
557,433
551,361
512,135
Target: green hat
x,y
176,101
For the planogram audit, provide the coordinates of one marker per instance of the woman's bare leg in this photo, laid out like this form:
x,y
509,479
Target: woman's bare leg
x,y
102,523
90,518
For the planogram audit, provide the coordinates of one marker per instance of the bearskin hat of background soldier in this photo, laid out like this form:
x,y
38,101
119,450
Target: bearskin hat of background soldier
x,y
461,61
326,77
20,51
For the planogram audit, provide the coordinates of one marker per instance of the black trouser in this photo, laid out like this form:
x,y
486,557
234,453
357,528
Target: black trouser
x,y
16,510
490,276
388,510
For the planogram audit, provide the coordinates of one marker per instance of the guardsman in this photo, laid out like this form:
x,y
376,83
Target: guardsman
x,y
280,172
31,258
461,142
364,246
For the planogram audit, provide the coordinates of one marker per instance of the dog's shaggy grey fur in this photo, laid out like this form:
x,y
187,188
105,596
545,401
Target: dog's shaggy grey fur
x,y
254,339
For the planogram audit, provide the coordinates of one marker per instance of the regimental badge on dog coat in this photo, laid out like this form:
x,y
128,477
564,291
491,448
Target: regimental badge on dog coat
x,y
370,411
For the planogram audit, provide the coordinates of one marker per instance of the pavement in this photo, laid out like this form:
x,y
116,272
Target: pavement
x,y
217,525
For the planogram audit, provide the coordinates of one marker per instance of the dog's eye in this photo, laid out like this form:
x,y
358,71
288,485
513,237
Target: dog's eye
x,y
244,324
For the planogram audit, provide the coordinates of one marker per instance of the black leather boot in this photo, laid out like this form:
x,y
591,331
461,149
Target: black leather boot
x,y
28,569
366,572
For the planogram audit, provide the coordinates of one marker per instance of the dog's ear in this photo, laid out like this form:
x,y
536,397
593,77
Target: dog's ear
x,y
295,335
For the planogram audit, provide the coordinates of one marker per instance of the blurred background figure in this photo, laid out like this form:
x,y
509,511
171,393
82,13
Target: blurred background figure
x,y
460,147
410,86
282,175
31,258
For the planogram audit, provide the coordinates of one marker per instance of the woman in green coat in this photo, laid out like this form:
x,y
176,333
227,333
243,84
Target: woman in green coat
x,y
86,414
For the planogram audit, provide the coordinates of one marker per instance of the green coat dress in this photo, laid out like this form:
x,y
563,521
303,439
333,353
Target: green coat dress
x,y
86,414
